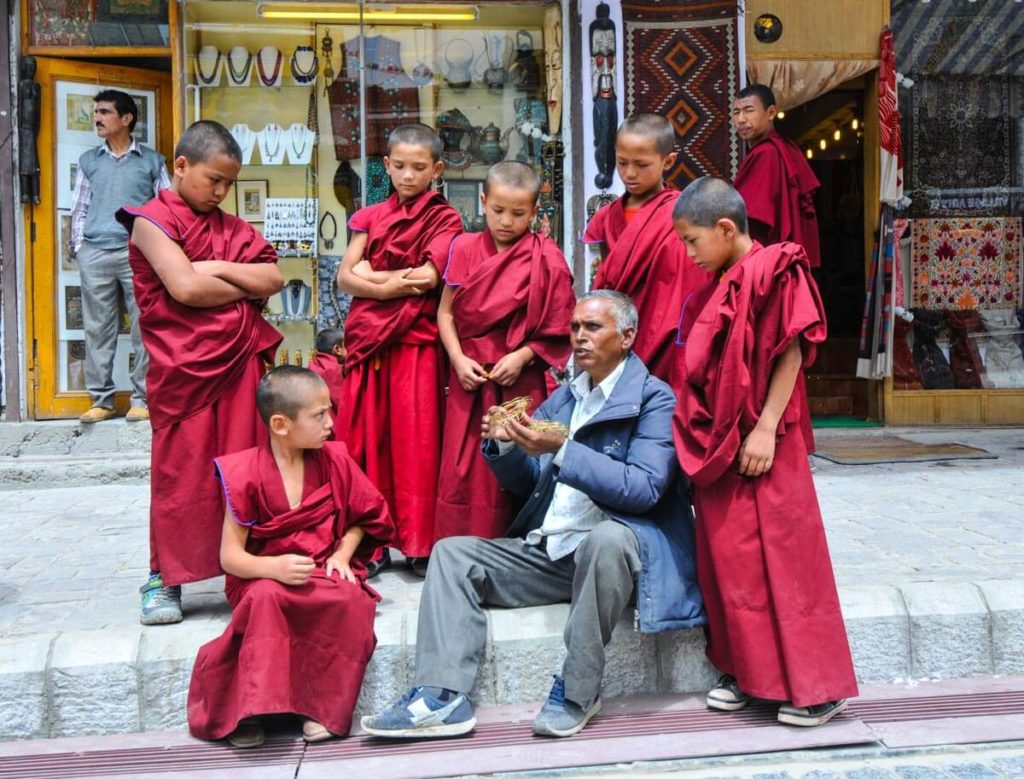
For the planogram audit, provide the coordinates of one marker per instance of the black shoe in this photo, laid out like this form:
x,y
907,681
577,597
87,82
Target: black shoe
x,y
382,563
810,716
727,695
418,565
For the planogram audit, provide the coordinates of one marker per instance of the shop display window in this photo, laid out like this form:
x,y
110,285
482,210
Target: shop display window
x,y
97,23
310,93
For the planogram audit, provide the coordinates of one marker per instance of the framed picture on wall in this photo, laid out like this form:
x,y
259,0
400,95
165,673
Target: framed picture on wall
x,y
251,199
67,261
464,197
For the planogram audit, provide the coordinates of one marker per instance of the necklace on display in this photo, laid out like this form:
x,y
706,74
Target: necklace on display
x,y
328,240
265,55
239,76
206,75
271,146
304,65
299,143
327,49
246,139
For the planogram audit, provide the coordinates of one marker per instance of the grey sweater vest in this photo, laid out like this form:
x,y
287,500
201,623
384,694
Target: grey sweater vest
x,y
113,184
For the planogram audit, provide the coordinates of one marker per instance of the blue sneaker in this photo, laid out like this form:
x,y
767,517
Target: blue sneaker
x,y
160,605
423,712
561,717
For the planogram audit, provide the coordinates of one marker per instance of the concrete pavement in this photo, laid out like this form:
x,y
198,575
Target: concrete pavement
x,y
929,558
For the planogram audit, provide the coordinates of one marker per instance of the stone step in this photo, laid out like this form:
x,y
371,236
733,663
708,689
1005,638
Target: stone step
x,y
72,470
123,680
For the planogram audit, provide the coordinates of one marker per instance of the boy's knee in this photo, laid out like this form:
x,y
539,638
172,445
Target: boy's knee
x,y
457,551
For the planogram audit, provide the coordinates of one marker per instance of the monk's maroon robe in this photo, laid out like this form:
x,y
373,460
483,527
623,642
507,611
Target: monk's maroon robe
x,y
292,649
501,301
327,367
646,260
778,186
763,564
393,398
204,365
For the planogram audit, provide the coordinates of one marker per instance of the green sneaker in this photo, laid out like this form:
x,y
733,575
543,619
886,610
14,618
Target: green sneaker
x,y
160,605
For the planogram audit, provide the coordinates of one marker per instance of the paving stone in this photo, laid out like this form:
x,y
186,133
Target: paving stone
x,y
920,772
949,630
1005,600
1011,766
165,660
822,775
870,772
972,771
878,628
23,663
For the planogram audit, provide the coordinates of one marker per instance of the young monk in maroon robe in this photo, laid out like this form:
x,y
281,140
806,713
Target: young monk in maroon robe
x,y
328,363
200,279
393,397
300,525
774,624
777,186
504,320
641,255
775,181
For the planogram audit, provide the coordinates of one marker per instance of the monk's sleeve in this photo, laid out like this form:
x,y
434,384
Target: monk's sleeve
x,y
361,220
550,338
596,227
447,227
758,183
633,485
796,306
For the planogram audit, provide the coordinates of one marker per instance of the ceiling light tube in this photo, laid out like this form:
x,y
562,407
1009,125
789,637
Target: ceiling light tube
x,y
416,13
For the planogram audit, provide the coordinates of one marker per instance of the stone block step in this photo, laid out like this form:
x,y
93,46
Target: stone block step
x,y
64,437
73,470
130,679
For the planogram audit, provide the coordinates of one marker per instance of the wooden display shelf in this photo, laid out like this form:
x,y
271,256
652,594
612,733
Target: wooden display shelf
x,y
953,407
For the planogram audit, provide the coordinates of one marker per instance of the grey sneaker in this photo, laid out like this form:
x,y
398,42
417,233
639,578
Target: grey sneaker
x,y
810,716
561,717
727,695
423,712
160,605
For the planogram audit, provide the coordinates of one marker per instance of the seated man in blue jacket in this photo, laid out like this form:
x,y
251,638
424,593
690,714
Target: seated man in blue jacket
x,y
606,514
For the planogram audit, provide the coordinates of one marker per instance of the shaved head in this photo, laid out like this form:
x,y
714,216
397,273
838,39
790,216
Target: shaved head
x,y
653,127
328,338
515,175
286,389
207,139
416,135
709,199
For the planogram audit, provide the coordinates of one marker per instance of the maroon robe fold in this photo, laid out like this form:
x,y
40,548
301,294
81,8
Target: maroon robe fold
x,y
778,187
502,301
646,260
327,367
204,365
763,565
292,649
393,400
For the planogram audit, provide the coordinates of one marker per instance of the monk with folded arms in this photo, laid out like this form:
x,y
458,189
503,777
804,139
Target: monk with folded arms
x,y
775,628
201,278
641,256
300,525
393,398
504,321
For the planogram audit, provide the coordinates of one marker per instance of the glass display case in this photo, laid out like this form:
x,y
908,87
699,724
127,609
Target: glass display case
x,y
311,91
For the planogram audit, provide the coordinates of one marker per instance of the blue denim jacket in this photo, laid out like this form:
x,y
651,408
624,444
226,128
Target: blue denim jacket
x,y
624,459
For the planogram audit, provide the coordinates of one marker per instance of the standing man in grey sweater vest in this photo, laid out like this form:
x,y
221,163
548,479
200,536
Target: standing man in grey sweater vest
x,y
118,173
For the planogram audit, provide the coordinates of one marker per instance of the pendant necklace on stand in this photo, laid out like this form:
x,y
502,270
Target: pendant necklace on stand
x,y
246,139
269,53
421,74
299,138
326,50
303,65
239,76
271,145
328,241
208,76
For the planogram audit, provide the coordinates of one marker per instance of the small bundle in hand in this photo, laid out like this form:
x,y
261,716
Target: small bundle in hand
x,y
516,410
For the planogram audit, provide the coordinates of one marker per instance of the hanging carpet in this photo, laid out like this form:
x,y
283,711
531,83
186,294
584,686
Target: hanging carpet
x,y
682,62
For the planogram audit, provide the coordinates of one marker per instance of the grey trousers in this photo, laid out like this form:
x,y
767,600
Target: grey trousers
x,y
467,573
106,276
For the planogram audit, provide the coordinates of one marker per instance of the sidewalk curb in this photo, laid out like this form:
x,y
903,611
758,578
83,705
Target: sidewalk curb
x,y
136,679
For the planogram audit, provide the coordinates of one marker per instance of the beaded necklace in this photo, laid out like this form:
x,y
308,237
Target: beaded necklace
x,y
304,74
271,80
204,78
239,76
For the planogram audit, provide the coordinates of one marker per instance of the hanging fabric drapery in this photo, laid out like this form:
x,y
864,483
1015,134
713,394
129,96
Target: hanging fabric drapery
x,y
795,82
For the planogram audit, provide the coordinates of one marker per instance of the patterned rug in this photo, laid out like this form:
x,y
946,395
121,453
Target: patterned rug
x,y
681,62
966,263
961,139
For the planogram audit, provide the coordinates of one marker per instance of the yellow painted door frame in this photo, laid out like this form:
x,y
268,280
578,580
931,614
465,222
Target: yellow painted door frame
x,y
42,249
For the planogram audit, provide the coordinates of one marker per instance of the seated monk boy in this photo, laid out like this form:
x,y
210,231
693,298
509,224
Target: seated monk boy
x,y
393,397
301,522
200,277
640,253
503,319
328,363
774,624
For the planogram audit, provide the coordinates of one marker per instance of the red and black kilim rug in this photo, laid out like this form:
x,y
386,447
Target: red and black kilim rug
x,y
682,61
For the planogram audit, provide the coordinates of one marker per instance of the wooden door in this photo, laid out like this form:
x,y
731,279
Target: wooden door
x,y
54,357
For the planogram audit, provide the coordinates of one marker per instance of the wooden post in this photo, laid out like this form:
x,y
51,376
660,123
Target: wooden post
x,y
8,237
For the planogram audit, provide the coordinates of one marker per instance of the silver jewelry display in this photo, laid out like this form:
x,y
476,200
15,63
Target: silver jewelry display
x,y
239,62
208,66
301,141
296,298
246,140
292,220
272,144
304,65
